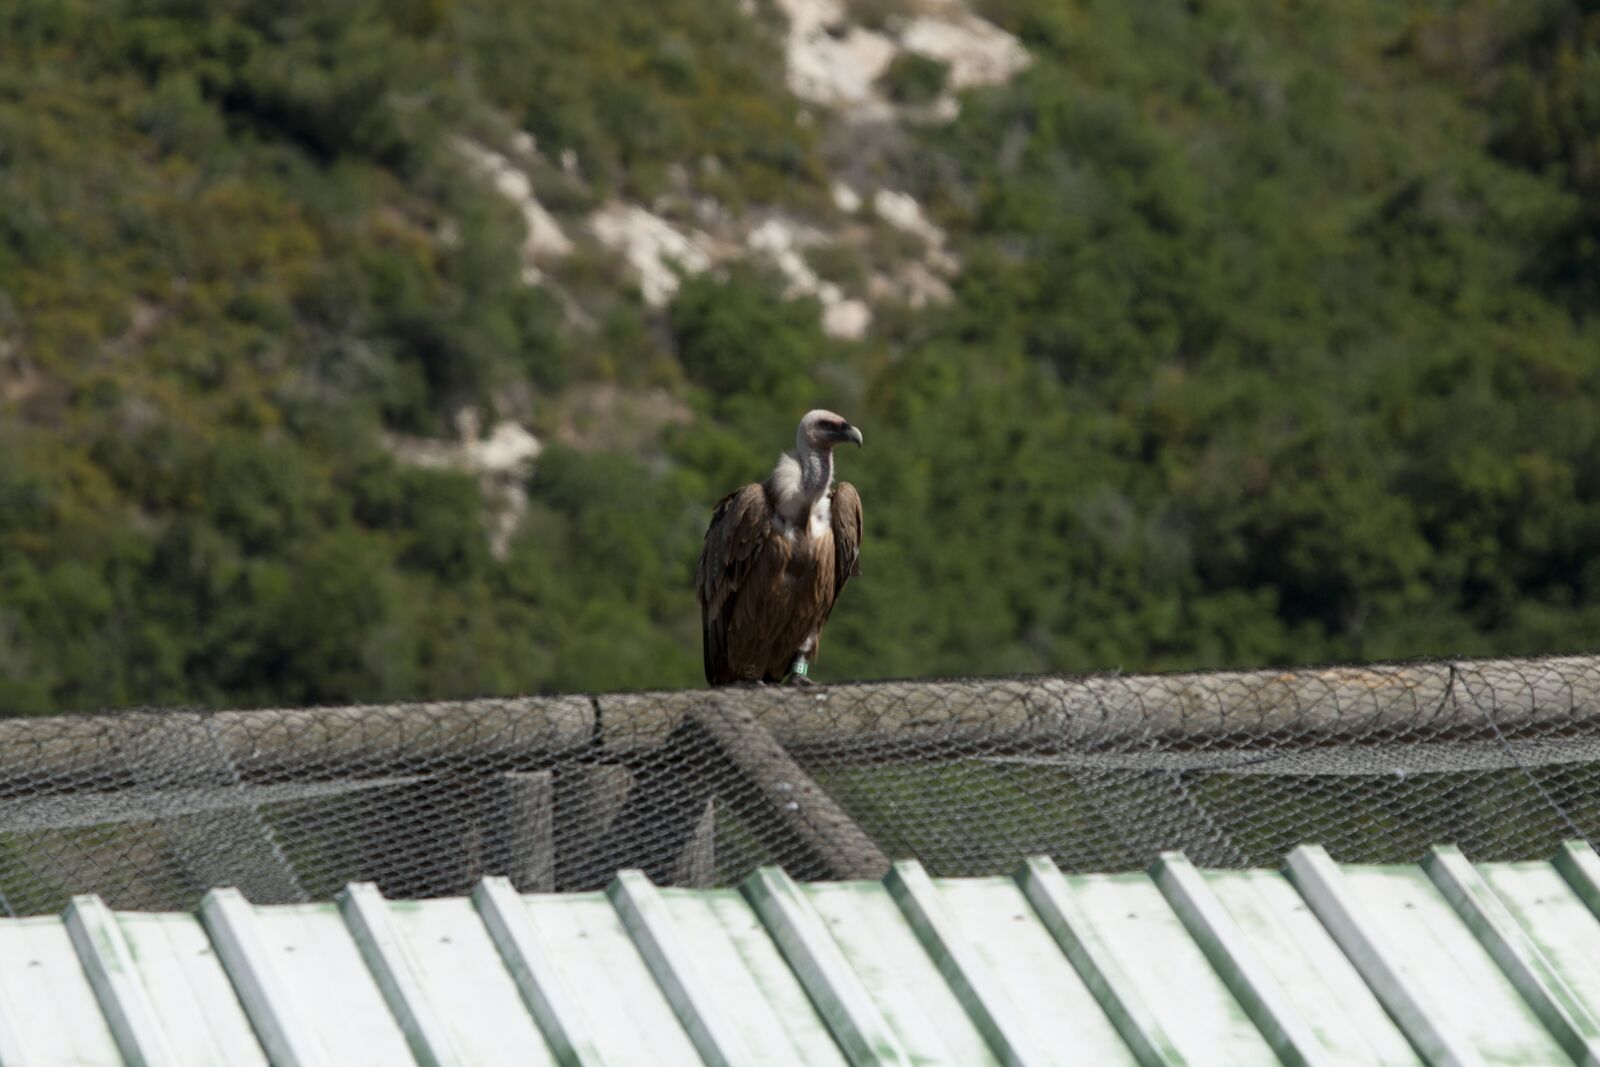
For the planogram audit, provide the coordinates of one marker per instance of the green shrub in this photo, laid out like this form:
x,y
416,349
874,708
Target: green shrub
x,y
913,78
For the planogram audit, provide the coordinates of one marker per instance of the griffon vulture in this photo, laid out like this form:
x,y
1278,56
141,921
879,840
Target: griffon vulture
x,y
776,557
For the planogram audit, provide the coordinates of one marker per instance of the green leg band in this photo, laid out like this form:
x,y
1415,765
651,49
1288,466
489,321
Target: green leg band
x,y
802,666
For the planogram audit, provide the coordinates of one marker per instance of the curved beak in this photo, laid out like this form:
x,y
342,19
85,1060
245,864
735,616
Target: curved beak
x,y
851,433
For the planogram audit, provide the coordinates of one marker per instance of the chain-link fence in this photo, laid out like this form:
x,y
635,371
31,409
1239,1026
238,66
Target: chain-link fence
x,y
151,808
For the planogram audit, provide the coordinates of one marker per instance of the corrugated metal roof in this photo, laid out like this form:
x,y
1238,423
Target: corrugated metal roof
x,y
1448,962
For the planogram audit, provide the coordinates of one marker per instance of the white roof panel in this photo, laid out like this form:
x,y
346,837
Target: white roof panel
x,y
190,996
1447,962
1320,986
48,1012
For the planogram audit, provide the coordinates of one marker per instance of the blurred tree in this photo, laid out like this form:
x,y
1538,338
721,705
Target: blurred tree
x,y
1273,340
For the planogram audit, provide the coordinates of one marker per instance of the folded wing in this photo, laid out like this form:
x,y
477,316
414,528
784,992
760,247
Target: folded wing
x,y
846,537
739,529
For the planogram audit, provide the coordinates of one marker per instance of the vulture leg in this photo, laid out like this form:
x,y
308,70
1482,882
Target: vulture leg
x,y
800,668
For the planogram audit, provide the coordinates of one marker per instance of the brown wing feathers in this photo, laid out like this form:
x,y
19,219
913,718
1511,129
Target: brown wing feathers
x,y
738,531
846,535
752,620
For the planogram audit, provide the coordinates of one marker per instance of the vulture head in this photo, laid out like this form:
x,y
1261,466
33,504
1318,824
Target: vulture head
x,y
820,430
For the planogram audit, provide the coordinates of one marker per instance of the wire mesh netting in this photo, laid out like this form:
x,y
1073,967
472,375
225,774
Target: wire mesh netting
x,y
151,808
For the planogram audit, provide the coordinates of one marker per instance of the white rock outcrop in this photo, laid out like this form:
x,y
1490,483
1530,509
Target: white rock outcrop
x,y
845,198
653,247
545,237
781,241
660,253
837,64
912,284
846,319
508,449
902,211
502,462
830,61
977,51
833,63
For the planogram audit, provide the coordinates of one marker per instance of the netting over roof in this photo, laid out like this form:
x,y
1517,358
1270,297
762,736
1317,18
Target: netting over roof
x,y
151,808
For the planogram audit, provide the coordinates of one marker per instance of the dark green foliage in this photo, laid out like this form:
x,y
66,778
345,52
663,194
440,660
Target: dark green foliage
x,y
913,78
643,87
881,14
1274,341
742,342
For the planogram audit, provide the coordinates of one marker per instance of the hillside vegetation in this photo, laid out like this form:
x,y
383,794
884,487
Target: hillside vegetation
x,y
1274,339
